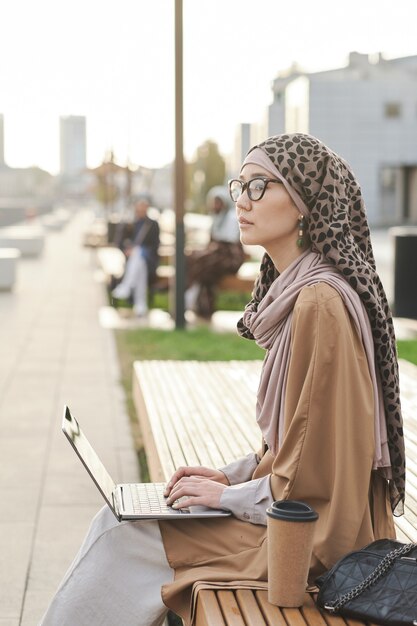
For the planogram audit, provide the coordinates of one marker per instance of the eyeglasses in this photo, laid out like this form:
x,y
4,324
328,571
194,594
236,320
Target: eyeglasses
x,y
256,187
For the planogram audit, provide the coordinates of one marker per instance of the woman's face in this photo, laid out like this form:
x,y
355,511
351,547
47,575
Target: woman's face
x,y
272,221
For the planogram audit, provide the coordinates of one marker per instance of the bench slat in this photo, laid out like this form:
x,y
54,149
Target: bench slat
x,y
177,419
239,399
160,464
219,420
249,607
311,613
234,282
208,610
408,529
230,608
201,447
165,414
271,613
411,500
294,617
168,436
170,397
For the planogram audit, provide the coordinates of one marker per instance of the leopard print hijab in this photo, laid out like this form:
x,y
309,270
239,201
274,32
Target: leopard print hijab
x,y
338,230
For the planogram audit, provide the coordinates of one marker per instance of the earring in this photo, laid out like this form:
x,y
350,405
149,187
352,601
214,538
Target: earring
x,y
301,233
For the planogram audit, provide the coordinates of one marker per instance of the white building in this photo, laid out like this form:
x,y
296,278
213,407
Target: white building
x,y
243,141
2,162
73,145
366,112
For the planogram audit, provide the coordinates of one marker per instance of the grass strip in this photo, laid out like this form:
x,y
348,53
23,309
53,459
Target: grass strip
x,y
407,349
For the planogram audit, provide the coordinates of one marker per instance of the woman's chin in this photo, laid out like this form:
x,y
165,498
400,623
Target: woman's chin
x,y
247,240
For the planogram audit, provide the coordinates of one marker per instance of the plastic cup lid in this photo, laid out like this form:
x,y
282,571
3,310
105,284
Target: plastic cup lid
x,y
292,511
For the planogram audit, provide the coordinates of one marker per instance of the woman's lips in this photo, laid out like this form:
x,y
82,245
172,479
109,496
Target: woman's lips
x,y
244,222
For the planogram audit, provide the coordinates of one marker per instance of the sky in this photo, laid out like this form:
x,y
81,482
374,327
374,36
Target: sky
x,y
114,63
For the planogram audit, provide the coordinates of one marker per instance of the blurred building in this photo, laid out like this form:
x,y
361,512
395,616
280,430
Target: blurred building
x,y
157,183
22,189
25,182
243,141
74,179
73,145
367,112
24,192
2,162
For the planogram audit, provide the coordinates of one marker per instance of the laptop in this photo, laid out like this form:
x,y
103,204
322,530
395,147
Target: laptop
x,y
129,501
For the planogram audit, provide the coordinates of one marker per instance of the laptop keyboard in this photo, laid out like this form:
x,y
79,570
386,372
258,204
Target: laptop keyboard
x,y
149,498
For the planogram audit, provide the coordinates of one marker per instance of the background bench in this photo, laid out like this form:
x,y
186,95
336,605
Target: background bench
x,y
241,282
30,241
8,262
111,261
203,413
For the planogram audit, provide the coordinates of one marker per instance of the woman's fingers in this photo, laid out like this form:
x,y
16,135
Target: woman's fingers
x,y
184,503
195,490
186,471
180,472
185,484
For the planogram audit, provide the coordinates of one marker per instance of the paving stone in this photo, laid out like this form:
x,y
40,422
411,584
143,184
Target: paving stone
x,y
58,526
15,549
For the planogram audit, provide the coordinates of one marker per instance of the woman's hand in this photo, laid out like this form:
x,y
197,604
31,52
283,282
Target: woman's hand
x,y
196,485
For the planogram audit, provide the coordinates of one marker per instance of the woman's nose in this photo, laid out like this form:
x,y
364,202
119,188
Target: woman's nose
x,y
243,202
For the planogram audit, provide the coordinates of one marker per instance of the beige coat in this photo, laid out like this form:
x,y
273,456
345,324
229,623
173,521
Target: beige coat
x,y
325,460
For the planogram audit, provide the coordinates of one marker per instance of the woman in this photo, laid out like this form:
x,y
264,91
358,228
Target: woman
x,y
328,406
223,255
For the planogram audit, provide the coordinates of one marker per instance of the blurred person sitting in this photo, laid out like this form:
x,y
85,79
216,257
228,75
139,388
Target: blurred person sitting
x,y
223,255
141,251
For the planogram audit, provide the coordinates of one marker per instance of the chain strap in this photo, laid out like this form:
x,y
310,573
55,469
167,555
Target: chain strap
x,y
386,563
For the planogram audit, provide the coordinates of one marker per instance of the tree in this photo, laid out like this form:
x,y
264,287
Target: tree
x,y
207,171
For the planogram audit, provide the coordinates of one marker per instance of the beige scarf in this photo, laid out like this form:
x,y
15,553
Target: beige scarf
x,y
271,328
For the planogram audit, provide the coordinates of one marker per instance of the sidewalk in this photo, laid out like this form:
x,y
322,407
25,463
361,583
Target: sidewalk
x,y
53,351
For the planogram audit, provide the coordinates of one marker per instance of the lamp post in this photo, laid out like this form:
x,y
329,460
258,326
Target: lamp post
x,y
179,195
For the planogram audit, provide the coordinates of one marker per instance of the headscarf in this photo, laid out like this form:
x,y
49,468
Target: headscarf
x,y
323,184
224,225
219,192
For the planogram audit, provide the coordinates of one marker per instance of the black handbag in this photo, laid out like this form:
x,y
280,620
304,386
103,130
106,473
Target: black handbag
x,y
375,584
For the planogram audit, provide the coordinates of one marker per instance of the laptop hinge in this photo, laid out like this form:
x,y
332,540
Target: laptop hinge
x,y
116,503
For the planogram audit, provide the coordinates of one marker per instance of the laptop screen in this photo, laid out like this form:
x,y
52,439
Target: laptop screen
x,y
88,456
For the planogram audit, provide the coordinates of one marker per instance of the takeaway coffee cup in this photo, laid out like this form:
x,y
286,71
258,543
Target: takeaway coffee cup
x,y
290,542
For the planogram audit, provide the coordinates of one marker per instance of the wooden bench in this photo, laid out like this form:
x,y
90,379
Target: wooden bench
x,y
111,261
203,413
241,282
